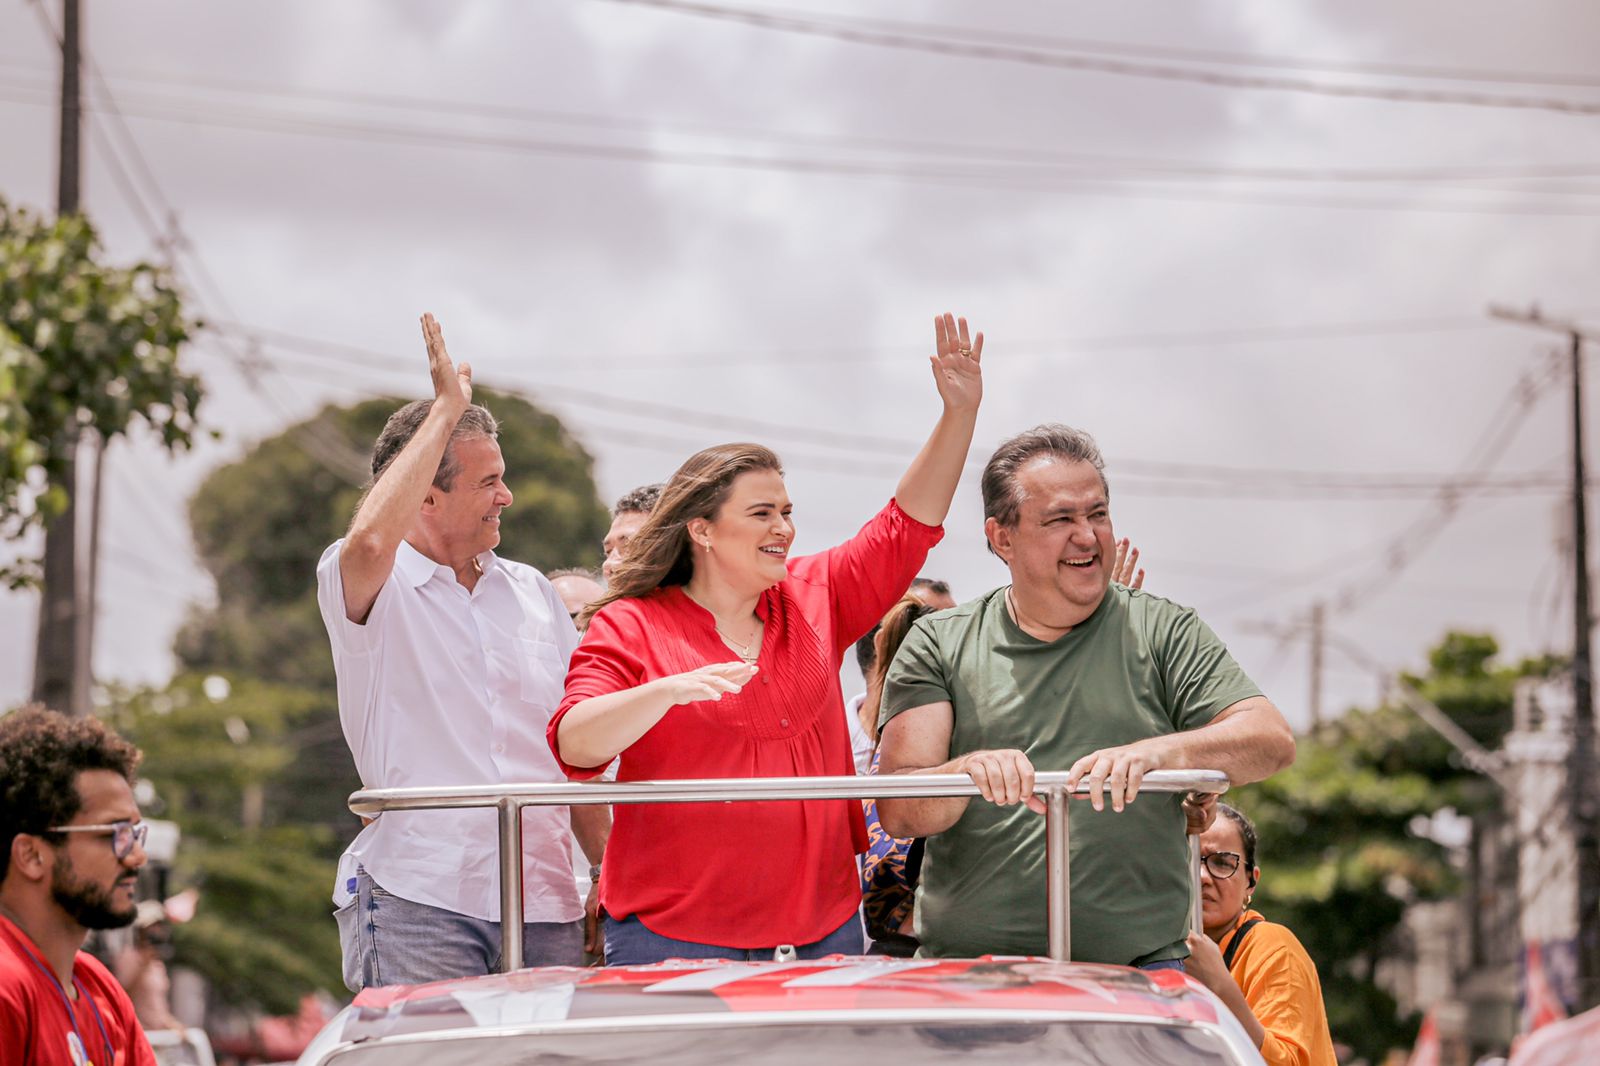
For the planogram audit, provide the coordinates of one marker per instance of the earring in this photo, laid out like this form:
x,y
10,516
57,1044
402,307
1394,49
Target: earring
x,y
708,547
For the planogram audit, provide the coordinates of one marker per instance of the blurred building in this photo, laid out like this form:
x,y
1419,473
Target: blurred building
x,y
1502,955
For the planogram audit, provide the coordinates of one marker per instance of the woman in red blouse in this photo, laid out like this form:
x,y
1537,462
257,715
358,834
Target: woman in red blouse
x,y
714,654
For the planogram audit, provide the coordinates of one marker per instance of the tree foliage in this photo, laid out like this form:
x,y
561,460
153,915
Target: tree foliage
x,y
83,346
216,752
1340,853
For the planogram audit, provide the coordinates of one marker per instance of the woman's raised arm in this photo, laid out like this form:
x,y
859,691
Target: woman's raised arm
x,y
929,483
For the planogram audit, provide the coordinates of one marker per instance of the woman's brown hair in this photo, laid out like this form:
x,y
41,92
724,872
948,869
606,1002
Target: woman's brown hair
x,y
891,633
661,553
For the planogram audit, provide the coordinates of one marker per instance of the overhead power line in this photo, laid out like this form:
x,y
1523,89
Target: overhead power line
x,y
139,183
909,355
950,174
1396,553
910,37
1419,71
1138,477
1087,163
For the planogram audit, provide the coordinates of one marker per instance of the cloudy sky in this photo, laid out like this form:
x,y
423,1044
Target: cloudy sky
x,y
1250,246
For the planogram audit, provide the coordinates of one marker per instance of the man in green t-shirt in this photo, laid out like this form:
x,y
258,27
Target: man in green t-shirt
x,y
1063,670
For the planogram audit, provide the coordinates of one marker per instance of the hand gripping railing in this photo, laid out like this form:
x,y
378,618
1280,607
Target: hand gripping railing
x,y
510,799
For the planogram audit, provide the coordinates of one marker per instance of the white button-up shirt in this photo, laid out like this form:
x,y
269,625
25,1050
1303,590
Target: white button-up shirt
x,y
860,744
442,686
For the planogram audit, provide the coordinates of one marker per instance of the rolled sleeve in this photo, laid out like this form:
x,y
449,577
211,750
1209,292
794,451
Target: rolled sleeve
x,y
916,676
351,638
605,661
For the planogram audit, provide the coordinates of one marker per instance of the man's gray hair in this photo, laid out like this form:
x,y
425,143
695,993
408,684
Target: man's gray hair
x,y
476,423
575,571
641,500
1002,499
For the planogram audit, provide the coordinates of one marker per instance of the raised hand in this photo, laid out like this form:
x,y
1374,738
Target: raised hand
x,y
707,683
957,363
1123,571
452,385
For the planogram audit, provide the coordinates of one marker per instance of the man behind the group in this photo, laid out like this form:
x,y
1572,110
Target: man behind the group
x,y
71,844
626,518
578,587
449,662
1064,671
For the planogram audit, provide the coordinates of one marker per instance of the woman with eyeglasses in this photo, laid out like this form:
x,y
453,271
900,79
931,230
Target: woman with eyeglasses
x,y
1258,968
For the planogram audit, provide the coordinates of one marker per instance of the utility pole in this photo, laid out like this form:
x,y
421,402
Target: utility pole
x,y
60,675
1317,619
1581,767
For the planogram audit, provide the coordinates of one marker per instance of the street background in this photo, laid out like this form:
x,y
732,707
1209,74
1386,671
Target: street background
x,y
1251,247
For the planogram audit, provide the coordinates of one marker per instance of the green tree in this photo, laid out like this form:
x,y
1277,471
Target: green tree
x,y
1339,852
83,346
215,751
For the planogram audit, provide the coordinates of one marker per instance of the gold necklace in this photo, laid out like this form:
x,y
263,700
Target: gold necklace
x,y
740,648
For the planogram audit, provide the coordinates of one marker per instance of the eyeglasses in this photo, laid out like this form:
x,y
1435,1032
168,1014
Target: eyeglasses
x,y
124,835
1222,865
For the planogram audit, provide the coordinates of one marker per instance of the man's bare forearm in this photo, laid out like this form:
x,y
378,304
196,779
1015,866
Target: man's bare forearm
x,y
591,824
389,509
1249,744
907,817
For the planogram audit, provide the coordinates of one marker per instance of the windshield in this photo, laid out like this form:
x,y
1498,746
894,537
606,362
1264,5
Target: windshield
x,y
1000,1043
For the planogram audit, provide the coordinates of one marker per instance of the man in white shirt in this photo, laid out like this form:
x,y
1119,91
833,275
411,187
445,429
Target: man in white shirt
x,y
450,661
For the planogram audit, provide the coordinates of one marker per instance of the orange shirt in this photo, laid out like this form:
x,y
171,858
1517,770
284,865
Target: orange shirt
x,y
1280,983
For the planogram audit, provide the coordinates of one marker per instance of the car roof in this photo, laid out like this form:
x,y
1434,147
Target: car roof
x,y
838,986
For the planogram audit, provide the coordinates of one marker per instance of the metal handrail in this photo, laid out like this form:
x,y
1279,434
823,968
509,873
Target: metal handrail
x,y
510,799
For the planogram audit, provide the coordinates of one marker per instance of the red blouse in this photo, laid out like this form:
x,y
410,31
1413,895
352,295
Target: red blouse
x,y
745,875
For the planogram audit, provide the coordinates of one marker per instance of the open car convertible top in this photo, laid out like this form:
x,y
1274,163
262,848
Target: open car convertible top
x,y
838,1011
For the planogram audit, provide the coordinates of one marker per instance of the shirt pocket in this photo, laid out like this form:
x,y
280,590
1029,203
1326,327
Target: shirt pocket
x,y
543,672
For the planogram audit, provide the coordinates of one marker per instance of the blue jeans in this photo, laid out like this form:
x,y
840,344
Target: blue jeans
x,y
392,941
1164,964
630,943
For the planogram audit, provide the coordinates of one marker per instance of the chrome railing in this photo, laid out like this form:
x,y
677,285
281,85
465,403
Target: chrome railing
x,y
510,799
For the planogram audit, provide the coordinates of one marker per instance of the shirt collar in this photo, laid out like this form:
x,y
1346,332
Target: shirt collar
x,y
415,569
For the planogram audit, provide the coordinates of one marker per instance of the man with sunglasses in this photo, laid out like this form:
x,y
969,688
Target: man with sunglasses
x,y
71,844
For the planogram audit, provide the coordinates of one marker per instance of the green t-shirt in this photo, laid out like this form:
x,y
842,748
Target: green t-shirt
x,y
1139,667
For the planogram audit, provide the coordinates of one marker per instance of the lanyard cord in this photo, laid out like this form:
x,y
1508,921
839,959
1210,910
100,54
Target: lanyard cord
x,y
72,1016
100,1023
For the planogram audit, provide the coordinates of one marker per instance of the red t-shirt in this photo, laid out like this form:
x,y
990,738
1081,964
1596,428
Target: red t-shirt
x,y
745,875
35,1025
